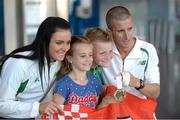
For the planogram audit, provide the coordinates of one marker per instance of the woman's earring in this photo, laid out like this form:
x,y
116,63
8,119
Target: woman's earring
x,y
69,65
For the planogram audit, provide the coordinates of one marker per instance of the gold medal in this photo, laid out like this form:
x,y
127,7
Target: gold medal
x,y
120,95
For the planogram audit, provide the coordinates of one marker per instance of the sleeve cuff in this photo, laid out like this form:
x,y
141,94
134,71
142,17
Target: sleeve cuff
x,y
35,110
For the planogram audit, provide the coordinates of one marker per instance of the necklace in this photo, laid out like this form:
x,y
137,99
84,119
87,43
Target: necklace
x,y
80,79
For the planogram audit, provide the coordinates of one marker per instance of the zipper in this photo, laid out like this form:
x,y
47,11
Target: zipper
x,y
122,65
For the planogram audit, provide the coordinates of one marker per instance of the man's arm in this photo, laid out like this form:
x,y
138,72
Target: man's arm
x,y
151,76
149,90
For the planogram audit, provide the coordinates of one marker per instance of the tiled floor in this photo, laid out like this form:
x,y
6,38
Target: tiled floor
x,y
169,100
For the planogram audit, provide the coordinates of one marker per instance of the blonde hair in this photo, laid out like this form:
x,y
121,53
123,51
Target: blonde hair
x,y
97,34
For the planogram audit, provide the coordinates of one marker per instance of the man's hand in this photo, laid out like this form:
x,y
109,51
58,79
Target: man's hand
x,y
134,82
149,90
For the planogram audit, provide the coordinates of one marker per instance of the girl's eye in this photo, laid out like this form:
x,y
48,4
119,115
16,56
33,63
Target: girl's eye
x,y
59,42
83,56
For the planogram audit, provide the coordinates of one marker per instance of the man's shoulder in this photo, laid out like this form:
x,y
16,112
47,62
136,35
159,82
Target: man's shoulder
x,y
144,44
146,47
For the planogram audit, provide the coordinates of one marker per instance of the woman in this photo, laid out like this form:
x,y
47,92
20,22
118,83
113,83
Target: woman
x,y
27,72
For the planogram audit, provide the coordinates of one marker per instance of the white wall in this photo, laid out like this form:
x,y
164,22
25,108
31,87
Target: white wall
x,y
15,20
10,25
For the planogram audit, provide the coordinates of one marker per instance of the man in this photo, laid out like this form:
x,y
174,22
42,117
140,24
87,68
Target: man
x,y
135,61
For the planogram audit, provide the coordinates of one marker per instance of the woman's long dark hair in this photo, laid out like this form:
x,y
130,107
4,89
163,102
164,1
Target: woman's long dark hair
x,y
40,46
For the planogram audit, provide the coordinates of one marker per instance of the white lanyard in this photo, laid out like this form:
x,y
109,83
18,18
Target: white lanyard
x,y
119,82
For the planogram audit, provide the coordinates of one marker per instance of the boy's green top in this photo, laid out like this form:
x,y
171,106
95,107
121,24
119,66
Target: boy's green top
x,y
96,71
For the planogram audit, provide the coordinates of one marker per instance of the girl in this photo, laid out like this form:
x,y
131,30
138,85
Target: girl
x,y
77,86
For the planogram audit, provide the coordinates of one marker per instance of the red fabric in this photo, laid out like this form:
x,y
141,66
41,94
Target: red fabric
x,y
132,107
109,112
137,108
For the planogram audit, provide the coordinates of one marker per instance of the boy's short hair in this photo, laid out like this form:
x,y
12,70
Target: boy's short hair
x,y
97,34
117,13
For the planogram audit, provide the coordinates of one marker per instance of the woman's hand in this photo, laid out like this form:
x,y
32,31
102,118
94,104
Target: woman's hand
x,y
48,107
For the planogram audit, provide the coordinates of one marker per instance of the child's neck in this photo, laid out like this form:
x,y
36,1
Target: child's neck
x,y
79,77
94,65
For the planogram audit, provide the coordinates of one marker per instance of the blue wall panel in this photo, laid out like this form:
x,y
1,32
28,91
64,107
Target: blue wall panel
x,y
80,23
1,28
